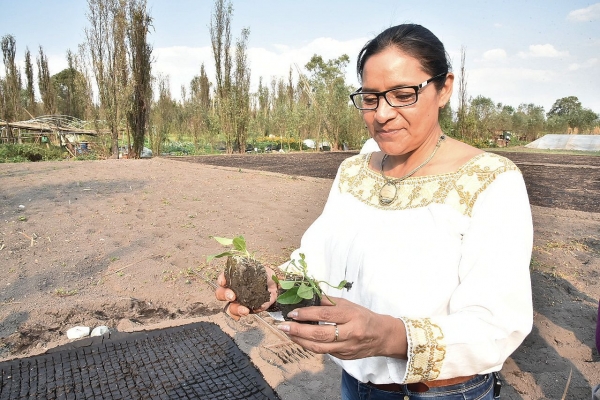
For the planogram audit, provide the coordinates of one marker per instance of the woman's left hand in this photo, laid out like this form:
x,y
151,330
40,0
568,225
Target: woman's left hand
x,y
354,331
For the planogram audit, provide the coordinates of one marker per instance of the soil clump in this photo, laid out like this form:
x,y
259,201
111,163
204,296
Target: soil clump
x,y
248,280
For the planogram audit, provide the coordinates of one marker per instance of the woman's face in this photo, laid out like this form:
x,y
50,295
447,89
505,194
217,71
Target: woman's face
x,y
398,131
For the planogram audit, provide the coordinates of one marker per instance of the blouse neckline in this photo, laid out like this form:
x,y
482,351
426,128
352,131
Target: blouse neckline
x,y
377,174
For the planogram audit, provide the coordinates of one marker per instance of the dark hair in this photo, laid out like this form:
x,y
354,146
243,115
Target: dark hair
x,y
414,40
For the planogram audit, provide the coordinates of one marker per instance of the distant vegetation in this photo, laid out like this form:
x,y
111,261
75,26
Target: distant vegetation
x,y
137,108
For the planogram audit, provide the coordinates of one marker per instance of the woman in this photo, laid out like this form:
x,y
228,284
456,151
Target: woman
x,y
441,291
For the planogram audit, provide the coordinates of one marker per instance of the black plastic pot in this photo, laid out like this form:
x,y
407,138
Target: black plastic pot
x,y
286,308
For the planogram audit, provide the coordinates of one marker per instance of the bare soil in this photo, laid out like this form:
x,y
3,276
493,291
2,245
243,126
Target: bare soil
x,y
124,243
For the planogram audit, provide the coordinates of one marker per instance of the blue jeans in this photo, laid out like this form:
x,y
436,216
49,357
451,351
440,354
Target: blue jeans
x,y
478,388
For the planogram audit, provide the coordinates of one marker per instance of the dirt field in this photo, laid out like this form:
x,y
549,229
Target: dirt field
x,y
123,243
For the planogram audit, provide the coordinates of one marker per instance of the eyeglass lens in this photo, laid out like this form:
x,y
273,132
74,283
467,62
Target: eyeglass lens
x,y
396,98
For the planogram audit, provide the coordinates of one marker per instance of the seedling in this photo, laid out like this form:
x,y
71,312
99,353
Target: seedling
x,y
247,277
238,248
300,286
243,273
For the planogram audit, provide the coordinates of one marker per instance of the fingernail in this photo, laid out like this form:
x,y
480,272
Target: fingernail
x,y
292,314
284,328
229,296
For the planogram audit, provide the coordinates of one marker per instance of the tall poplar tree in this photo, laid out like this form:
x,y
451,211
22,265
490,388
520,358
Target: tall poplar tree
x,y
140,54
220,36
241,91
29,85
12,81
106,44
45,84
466,122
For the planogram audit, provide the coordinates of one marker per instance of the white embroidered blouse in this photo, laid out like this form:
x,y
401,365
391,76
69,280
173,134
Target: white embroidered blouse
x,y
449,257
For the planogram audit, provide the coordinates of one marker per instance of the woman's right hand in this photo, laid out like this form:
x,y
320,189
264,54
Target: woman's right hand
x,y
234,309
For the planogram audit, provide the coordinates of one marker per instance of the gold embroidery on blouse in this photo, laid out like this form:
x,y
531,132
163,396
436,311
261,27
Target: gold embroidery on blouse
x,y
426,350
459,189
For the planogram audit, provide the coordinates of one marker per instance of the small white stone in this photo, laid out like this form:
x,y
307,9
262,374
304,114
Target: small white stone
x,y
78,332
21,206
99,330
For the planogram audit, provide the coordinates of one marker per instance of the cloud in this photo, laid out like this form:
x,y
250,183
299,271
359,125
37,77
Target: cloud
x,y
543,50
511,86
587,14
269,64
56,63
518,76
495,55
182,63
592,62
282,47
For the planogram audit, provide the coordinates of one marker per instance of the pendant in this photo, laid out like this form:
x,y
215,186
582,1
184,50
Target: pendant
x,y
388,194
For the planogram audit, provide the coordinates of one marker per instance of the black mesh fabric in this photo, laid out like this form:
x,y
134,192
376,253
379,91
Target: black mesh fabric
x,y
196,361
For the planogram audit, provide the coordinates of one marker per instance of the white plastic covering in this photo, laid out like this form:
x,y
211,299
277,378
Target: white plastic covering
x,y
567,142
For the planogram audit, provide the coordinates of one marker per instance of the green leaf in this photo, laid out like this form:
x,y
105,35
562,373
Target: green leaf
x,y
223,241
225,254
239,243
302,262
275,279
342,284
290,297
287,285
306,292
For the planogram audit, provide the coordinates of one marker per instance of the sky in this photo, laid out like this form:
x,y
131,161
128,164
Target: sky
x,y
517,51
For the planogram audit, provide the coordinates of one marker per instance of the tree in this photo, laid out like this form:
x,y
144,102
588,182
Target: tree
x,y
569,112
11,91
588,120
532,119
45,84
281,121
233,82
241,91
262,108
162,115
199,105
505,117
200,88
29,88
445,118
465,123
565,106
220,36
69,86
2,100
330,97
140,54
483,111
106,43
83,83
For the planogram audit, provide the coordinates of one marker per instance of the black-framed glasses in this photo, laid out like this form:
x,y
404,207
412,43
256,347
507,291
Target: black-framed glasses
x,y
397,97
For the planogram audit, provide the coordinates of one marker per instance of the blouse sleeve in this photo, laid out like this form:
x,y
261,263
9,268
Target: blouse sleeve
x,y
490,312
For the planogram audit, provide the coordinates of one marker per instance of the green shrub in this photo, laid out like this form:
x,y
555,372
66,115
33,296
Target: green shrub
x,y
88,155
29,152
179,148
290,143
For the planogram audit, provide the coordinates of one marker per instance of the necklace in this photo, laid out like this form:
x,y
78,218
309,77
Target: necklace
x,y
389,191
